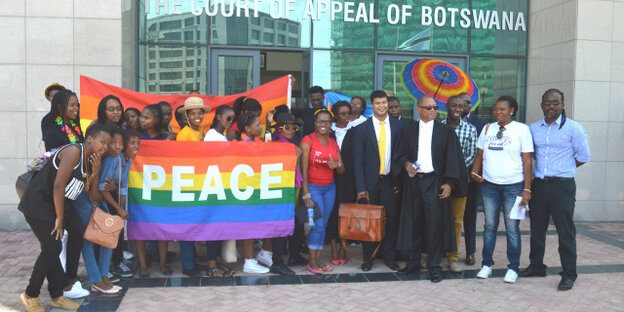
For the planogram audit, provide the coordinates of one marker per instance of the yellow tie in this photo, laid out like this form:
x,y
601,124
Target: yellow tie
x,y
382,148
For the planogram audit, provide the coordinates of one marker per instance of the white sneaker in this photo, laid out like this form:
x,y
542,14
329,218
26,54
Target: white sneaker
x,y
265,257
486,271
252,266
76,291
511,276
127,255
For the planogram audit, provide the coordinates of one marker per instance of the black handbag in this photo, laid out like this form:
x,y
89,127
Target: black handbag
x,y
22,182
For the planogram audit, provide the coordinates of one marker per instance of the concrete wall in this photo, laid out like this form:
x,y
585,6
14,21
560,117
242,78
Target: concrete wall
x,y
578,47
47,41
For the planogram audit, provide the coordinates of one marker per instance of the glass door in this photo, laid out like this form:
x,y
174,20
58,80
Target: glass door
x,y
234,71
388,76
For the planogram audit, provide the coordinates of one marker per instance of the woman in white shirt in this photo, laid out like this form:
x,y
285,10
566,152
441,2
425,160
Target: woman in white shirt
x,y
223,120
503,166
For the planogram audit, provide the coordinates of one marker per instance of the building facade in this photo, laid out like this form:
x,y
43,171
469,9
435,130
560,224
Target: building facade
x,y
508,47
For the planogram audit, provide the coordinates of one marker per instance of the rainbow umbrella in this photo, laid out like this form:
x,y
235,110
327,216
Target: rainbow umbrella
x,y
441,80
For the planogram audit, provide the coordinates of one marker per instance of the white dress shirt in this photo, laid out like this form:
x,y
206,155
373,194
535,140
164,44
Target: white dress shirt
x,y
377,125
425,133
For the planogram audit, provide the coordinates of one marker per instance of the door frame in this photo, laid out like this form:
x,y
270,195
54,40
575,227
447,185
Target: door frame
x,y
214,65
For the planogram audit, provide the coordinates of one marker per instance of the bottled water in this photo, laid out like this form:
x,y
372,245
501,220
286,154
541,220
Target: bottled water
x,y
310,217
416,165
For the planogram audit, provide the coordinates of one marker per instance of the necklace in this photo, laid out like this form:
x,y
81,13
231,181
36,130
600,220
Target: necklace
x,y
64,127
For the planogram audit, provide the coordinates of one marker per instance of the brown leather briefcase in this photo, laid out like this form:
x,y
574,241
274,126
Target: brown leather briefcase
x,y
362,222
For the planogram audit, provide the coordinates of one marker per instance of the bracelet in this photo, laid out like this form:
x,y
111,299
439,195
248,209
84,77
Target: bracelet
x,y
528,190
307,196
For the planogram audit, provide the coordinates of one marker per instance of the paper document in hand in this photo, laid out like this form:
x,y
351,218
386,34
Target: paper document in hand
x,y
518,212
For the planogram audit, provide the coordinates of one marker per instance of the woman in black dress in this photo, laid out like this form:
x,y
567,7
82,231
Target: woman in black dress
x,y
64,127
45,202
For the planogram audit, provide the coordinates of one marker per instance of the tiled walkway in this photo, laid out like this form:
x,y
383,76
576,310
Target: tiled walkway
x,y
600,286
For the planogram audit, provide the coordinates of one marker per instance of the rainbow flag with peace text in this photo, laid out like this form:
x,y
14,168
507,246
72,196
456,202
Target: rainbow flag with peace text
x,y
201,191
269,95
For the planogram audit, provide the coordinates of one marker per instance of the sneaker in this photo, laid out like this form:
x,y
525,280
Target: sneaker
x,y
63,303
454,266
252,266
76,291
486,271
32,304
511,276
265,257
113,278
127,255
122,270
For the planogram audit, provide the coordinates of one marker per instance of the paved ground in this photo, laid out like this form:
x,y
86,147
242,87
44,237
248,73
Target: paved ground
x,y
600,286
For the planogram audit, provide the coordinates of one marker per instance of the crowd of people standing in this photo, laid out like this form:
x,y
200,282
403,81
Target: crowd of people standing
x,y
427,174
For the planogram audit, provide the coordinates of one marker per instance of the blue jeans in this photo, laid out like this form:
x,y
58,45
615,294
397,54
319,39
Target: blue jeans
x,y
95,269
495,198
324,196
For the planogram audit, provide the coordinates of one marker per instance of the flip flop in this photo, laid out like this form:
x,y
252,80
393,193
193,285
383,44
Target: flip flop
x,y
313,270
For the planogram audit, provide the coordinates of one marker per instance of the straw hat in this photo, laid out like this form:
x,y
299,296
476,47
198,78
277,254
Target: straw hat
x,y
55,85
194,102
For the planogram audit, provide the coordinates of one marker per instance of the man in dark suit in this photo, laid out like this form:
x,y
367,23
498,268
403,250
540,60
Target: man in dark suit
x,y
430,153
373,143
470,214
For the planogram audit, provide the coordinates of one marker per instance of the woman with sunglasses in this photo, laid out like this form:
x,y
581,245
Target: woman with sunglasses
x,y
503,166
320,157
223,120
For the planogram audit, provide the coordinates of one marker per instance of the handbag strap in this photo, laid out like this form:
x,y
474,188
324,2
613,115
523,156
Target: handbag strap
x,y
119,183
344,247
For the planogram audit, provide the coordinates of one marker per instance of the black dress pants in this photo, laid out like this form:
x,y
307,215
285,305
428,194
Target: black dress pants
x,y
470,218
48,264
554,199
75,232
383,194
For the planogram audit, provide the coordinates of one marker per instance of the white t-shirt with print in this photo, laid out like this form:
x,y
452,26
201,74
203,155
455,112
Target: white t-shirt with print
x,y
502,159
214,136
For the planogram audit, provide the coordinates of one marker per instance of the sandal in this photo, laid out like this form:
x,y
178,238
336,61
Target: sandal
x,y
228,271
166,271
212,272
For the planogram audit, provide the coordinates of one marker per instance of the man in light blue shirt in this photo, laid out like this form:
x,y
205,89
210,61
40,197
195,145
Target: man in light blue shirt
x,y
560,147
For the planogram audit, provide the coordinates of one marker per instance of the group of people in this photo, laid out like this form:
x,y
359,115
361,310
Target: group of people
x,y
427,174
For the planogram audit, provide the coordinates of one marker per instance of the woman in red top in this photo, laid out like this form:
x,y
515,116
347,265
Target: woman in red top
x,y
320,157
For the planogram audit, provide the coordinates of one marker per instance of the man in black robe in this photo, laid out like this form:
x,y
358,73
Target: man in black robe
x,y
429,153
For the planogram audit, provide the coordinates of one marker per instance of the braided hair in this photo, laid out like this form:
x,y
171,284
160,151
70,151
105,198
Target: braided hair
x,y
563,115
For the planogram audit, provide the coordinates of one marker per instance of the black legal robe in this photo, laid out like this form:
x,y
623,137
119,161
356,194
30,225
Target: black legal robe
x,y
449,167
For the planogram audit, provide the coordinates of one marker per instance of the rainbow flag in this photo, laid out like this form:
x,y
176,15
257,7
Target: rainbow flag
x,y
269,95
201,191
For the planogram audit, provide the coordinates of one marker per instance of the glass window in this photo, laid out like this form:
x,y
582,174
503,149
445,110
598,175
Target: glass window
x,y
254,21
268,38
255,34
503,41
170,64
496,77
168,25
351,73
188,36
170,87
341,34
189,87
172,36
152,54
188,21
281,26
281,39
170,76
190,52
268,22
174,53
414,37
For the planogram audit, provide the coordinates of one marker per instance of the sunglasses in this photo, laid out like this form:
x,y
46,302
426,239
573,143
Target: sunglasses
x,y
323,122
435,107
499,135
113,109
229,118
289,127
